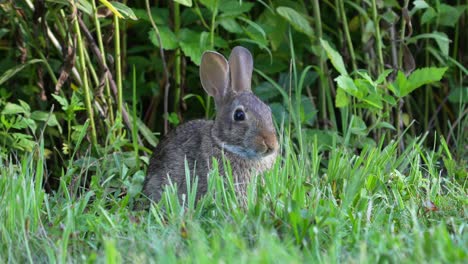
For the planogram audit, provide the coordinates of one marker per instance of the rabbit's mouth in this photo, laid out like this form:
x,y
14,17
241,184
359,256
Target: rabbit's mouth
x,y
247,153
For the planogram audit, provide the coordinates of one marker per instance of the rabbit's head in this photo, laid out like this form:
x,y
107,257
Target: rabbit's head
x,y
243,123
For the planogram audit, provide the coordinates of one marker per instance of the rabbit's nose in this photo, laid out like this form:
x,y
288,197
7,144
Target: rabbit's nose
x,y
270,142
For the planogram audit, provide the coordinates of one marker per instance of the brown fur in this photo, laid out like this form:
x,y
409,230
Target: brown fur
x,y
250,145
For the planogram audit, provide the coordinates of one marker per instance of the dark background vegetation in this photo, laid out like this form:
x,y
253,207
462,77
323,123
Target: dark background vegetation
x,y
54,81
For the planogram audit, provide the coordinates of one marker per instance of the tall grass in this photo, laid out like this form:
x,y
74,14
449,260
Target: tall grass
x,y
331,205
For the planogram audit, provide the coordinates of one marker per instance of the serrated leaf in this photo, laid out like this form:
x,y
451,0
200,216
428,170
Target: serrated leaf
x,y
124,10
168,38
296,19
334,57
13,109
398,86
62,101
383,76
421,77
184,2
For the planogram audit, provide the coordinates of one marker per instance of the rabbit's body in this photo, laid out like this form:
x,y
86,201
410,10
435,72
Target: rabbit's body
x,y
243,132
167,160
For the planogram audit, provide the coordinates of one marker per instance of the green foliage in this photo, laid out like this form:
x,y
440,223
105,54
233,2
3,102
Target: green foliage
x,y
403,86
373,206
84,88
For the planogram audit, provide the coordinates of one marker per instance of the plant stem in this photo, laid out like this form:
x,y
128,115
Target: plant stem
x,y
86,89
178,60
134,119
118,67
166,71
97,24
347,35
322,64
378,38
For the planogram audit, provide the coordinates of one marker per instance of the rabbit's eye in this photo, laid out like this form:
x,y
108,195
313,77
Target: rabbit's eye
x,y
239,115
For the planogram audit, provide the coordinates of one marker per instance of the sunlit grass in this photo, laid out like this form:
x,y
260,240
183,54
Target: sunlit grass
x,y
332,205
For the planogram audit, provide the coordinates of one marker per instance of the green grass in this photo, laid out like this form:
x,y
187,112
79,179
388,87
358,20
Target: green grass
x,y
331,205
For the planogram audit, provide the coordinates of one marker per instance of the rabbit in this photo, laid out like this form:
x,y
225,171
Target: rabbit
x,y
243,131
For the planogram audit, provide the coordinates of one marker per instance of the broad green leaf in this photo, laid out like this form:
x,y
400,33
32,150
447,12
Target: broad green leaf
x,y
184,2
347,84
84,6
341,99
254,25
45,116
324,138
231,25
168,38
334,57
441,39
193,44
374,100
428,16
443,42
124,10
274,26
234,8
364,86
23,142
421,77
385,125
279,113
25,106
210,4
365,76
11,72
449,15
358,126
160,15
419,4
266,91
399,85
389,99
297,20
13,109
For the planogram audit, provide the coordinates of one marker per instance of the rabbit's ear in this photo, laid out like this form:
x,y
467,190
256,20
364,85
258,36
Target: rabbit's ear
x,y
241,65
214,74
